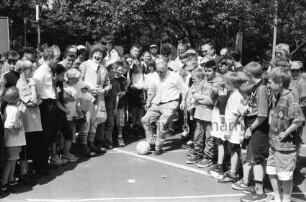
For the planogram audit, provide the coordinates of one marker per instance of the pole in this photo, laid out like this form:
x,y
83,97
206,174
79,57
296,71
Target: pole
x,y
25,35
38,24
275,28
25,31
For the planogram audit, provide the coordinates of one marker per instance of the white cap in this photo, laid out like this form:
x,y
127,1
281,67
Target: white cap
x,y
79,47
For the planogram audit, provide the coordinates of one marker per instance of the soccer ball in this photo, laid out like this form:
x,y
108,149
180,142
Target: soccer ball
x,y
143,147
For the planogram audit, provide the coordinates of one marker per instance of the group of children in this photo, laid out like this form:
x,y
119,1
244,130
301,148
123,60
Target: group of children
x,y
254,117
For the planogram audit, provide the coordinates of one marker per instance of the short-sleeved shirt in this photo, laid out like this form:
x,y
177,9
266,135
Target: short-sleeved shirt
x,y
44,82
72,93
232,107
30,115
285,111
259,101
13,127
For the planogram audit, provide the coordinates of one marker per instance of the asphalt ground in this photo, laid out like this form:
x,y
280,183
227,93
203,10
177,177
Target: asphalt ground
x,y
123,175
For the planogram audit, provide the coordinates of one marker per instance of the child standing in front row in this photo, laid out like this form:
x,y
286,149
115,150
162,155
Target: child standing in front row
x,y
111,103
14,136
233,132
286,119
121,110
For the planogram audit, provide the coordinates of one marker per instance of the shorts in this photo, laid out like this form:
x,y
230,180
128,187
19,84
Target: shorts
x,y
120,117
234,147
12,153
258,148
282,164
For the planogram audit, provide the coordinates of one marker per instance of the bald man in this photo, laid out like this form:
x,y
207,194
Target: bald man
x,y
165,104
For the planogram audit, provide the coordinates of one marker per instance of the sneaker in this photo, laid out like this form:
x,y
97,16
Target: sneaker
x,y
4,194
228,178
63,161
240,185
55,161
205,163
70,157
4,188
217,171
121,142
95,149
191,152
254,197
88,152
13,183
190,143
193,158
158,152
185,146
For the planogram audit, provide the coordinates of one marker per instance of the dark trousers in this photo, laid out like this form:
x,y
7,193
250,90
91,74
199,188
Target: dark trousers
x,y
205,145
34,149
48,113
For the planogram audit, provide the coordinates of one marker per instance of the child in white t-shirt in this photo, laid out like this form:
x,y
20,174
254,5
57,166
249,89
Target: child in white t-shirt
x,y
14,135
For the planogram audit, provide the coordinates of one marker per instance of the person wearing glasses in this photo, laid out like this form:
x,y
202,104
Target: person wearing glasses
x,y
165,104
208,51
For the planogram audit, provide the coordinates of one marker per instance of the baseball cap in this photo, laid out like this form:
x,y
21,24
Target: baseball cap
x,y
153,46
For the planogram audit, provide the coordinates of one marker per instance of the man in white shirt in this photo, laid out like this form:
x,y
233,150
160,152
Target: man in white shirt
x,y
43,78
165,104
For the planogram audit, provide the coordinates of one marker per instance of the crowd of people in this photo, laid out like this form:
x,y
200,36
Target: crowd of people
x,y
249,117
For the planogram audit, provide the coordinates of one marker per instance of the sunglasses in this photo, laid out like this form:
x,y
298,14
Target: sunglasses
x,y
165,54
295,70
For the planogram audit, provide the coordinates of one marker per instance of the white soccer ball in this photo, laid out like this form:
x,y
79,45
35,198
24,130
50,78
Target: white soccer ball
x,y
143,147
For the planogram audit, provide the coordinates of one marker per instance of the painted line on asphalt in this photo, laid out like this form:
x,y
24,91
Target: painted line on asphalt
x,y
202,172
143,198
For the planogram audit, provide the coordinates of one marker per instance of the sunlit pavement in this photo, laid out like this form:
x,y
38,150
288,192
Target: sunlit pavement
x,y
123,175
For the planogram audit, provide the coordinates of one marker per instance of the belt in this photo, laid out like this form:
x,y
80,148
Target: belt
x,y
176,100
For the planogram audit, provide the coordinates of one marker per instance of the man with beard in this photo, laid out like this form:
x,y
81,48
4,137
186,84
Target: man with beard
x,y
95,83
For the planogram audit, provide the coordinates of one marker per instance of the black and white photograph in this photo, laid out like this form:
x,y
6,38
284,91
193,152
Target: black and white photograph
x,y
152,100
